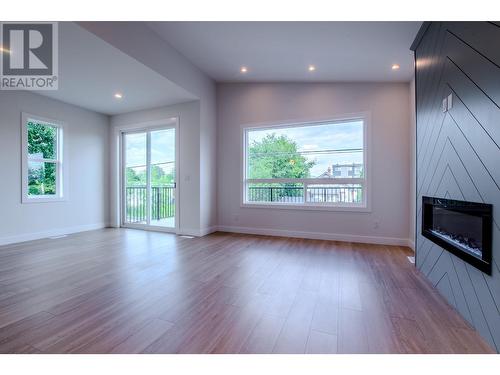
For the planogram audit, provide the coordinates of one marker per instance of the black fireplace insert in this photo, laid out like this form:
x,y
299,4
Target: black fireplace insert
x,y
462,228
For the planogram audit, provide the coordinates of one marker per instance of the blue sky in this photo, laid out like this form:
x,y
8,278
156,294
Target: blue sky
x,y
335,136
162,149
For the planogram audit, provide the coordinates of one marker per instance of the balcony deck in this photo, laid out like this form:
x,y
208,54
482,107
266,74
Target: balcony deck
x,y
168,222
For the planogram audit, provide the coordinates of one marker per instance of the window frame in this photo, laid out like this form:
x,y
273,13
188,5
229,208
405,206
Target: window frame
x,y
61,175
365,181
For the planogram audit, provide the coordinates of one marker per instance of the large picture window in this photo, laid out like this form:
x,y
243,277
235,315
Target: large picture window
x,y
318,164
42,159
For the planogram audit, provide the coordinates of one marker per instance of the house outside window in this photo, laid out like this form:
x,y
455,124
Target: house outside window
x,y
307,165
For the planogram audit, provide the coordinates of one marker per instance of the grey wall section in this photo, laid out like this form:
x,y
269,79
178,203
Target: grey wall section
x,y
140,42
458,155
86,157
245,104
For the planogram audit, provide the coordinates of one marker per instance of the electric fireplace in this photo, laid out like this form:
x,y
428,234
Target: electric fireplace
x,y
462,228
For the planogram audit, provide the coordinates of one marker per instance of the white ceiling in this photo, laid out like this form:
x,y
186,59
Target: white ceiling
x,y
282,51
91,71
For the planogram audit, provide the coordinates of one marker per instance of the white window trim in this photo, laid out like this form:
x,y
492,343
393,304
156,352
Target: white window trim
x,y
366,181
61,166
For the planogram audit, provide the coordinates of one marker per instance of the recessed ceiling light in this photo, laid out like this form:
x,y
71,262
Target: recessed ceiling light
x,y
118,95
395,66
243,69
311,68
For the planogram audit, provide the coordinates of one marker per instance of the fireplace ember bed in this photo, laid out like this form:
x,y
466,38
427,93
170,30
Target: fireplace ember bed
x,y
462,228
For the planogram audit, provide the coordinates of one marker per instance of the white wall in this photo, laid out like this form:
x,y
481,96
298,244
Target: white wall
x,y
208,166
188,181
413,164
388,104
86,153
137,40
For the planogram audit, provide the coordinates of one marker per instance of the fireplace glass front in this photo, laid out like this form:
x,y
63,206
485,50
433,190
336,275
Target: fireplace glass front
x,y
462,228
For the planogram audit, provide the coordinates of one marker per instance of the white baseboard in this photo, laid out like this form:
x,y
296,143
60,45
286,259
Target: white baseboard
x,y
317,235
196,232
205,231
411,244
50,233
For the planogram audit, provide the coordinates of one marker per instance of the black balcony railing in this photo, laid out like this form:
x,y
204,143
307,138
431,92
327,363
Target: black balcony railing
x,y
162,203
284,194
314,194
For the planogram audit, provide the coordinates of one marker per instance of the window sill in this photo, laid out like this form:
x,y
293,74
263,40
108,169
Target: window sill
x,y
42,200
308,207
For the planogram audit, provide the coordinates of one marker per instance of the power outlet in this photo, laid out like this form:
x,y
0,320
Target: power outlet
x,y
236,218
376,224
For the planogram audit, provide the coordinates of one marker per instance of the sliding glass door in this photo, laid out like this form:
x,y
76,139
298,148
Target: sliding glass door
x,y
149,180
162,172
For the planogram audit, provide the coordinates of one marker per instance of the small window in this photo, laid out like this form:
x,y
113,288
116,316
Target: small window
x,y
306,165
42,147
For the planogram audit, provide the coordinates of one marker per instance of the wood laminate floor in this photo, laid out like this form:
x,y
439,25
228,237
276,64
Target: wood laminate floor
x,y
130,291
